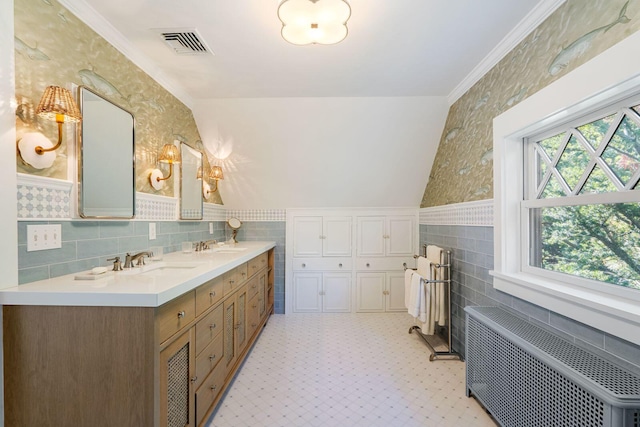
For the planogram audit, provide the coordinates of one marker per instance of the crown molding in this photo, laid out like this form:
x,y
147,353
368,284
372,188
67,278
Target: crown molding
x,y
100,25
529,23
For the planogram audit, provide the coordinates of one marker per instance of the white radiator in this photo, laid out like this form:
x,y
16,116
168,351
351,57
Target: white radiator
x,y
526,376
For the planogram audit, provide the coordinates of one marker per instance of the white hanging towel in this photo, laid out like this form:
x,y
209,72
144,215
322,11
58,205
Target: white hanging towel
x,y
435,255
416,305
407,286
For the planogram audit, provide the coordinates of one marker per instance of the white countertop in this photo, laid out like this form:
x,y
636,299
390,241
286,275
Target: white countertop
x,y
150,288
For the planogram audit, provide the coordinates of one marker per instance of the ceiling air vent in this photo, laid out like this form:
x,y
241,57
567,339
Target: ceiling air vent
x,y
185,41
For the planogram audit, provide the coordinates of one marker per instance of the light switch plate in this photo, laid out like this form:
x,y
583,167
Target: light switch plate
x,y
152,231
210,228
43,237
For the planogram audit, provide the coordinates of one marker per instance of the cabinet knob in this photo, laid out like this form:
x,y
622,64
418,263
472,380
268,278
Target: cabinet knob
x,y
304,265
368,265
253,306
212,357
212,294
340,265
194,379
232,281
181,314
214,387
212,326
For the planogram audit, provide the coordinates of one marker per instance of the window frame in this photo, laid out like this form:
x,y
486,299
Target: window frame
x,y
531,201
585,90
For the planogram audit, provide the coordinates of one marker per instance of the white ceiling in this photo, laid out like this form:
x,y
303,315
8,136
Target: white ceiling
x,y
394,47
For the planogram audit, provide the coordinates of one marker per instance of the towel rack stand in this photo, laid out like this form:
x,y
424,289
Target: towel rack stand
x,y
445,269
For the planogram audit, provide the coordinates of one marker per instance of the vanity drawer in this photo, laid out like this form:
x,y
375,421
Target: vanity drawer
x,y
257,264
208,391
175,314
384,263
322,264
208,359
208,294
241,273
252,287
208,328
234,278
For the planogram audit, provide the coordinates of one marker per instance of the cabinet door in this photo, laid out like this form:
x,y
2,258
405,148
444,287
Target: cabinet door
x,y
242,332
307,236
262,295
336,236
395,292
177,394
306,292
229,339
371,236
370,288
400,236
336,292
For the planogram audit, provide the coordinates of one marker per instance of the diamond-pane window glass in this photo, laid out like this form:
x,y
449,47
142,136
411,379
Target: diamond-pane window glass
x,y
573,162
595,131
623,152
598,182
552,189
598,242
550,145
541,169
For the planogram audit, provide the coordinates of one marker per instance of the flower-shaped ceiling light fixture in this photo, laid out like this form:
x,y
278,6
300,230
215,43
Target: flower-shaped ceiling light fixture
x,y
314,21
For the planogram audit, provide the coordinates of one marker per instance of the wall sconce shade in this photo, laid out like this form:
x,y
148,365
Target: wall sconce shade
x,y
169,154
215,173
314,21
56,104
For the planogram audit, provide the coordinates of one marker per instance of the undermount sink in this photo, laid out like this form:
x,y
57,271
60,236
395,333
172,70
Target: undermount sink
x,y
224,250
160,268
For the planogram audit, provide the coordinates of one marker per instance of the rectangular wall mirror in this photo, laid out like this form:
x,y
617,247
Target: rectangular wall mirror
x,y
190,183
106,158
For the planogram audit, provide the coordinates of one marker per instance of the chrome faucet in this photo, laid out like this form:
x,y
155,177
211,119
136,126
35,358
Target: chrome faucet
x,y
205,245
139,257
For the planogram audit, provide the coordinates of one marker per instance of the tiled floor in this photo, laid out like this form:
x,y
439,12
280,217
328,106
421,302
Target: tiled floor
x,y
346,370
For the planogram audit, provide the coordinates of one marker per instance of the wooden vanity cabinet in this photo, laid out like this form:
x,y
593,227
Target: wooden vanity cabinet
x,y
133,366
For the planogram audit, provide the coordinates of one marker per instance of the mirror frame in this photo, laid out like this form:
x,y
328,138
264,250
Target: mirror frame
x,y
81,153
198,191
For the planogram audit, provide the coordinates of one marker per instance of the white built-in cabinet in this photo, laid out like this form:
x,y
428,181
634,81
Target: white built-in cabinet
x,y
379,292
322,292
326,272
386,236
318,236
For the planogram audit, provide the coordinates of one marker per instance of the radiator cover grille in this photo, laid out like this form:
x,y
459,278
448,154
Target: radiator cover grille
x,y
526,376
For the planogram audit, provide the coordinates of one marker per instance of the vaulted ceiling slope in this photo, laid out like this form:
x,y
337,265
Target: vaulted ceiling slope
x,y
352,124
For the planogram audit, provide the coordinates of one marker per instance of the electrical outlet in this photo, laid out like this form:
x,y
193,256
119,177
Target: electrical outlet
x,y
43,237
210,228
152,231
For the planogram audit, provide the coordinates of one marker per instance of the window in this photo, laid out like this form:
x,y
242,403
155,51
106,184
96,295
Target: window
x,y
580,222
572,182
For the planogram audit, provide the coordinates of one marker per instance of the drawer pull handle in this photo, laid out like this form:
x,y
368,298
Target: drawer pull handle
x,y
194,379
212,326
214,387
212,357
253,306
212,294
254,266
181,314
244,274
232,281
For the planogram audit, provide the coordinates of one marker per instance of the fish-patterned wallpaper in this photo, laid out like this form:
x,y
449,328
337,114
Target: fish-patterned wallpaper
x,y
53,47
576,32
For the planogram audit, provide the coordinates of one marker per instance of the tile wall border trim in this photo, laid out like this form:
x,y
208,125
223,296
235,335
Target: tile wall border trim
x,y
478,213
42,198
258,215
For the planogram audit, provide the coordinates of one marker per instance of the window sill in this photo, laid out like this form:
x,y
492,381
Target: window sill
x,y
612,314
